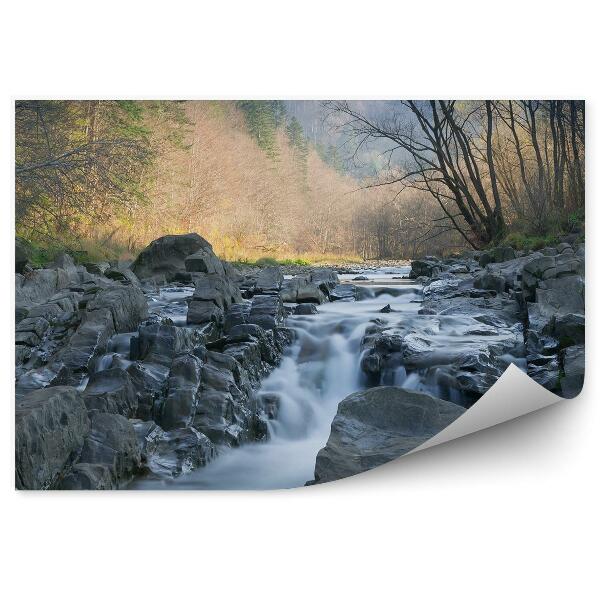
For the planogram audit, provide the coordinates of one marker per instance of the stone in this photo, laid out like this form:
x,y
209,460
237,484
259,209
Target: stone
x,y
269,280
325,279
573,359
122,275
86,476
160,342
50,427
97,268
386,309
127,305
166,255
345,292
112,443
376,426
204,261
111,391
266,311
37,325
175,452
306,309
489,281
310,292
183,387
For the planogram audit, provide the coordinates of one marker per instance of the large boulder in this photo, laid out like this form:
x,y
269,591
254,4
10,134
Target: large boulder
x,y
50,427
376,426
166,256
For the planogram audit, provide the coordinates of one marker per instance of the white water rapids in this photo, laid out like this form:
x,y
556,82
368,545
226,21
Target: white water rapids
x,y
318,371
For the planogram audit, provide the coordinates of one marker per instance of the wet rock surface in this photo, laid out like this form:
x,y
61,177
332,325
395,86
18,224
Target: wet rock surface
x,y
155,369
161,376
378,425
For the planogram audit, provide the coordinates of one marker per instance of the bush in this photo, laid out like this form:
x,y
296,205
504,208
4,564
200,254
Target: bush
x,y
523,241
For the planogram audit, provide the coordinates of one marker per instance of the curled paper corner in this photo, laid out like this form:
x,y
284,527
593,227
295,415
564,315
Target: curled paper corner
x,y
513,395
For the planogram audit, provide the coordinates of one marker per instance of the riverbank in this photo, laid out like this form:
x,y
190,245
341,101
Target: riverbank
x,y
180,370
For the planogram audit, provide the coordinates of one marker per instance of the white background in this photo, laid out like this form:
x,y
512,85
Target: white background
x,y
508,513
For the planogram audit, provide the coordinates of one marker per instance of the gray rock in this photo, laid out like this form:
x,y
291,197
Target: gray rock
x,y
574,371
310,292
111,391
269,280
325,279
85,476
50,427
489,281
123,275
215,289
112,443
266,311
204,261
172,453
378,425
97,268
183,388
345,292
127,305
306,309
496,255
160,342
166,255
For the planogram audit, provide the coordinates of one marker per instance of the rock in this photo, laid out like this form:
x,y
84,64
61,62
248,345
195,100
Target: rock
x,y
127,305
22,254
166,255
574,370
112,443
122,275
422,268
85,345
171,453
266,311
97,268
489,281
111,391
306,309
50,427
569,329
386,309
360,278
37,325
183,388
215,289
237,315
325,279
85,476
496,255
41,284
160,342
345,292
269,280
310,292
375,426
204,261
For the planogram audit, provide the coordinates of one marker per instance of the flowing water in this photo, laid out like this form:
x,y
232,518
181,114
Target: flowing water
x,y
319,370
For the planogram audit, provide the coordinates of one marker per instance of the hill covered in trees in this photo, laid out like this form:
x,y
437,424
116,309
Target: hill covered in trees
x,y
296,179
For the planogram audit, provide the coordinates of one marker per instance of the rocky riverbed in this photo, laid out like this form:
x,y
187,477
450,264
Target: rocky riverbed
x,y
180,370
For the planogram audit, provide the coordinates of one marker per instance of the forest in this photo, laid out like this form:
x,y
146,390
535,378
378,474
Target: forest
x,y
102,178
